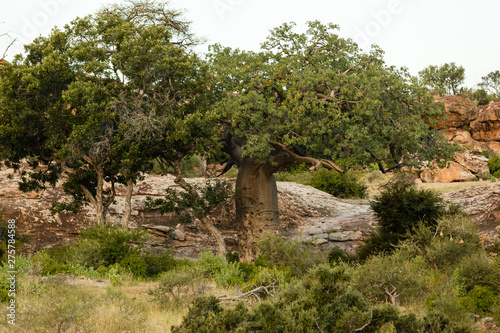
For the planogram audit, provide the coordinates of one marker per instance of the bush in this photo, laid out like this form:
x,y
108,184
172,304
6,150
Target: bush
x,y
210,264
479,300
320,302
342,185
454,240
401,206
337,256
114,243
177,286
400,270
43,264
291,256
494,165
157,263
477,270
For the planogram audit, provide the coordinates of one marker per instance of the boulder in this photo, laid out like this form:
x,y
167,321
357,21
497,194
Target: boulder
x,y
481,203
303,210
493,146
459,111
487,125
463,137
454,172
477,164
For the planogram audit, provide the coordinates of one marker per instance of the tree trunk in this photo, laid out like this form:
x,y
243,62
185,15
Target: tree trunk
x,y
221,245
256,206
128,204
99,198
97,201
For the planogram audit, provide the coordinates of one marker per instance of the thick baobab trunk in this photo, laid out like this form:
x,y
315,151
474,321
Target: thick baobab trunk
x,y
256,206
256,193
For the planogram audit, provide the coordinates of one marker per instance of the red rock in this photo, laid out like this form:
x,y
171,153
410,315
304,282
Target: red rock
x,y
477,164
487,126
459,111
453,173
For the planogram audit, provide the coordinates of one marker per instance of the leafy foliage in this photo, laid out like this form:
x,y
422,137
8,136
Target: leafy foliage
x,y
291,256
401,206
444,79
201,202
317,92
342,185
101,98
491,83
401,209
494,166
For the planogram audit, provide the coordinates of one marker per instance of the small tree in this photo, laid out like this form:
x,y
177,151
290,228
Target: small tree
x,y
491,83
444,79
198,202
101,98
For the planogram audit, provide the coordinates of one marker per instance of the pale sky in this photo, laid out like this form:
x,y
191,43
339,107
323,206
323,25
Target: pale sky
x,y
413,33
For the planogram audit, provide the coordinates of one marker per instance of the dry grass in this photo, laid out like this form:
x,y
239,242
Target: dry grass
x,y
68,304
58,304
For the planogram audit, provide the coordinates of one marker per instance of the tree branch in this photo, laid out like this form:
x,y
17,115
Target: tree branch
x,y
291,157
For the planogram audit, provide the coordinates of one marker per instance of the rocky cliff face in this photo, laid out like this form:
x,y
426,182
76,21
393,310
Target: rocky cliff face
x,y
486,127
475,128
459,111
305,213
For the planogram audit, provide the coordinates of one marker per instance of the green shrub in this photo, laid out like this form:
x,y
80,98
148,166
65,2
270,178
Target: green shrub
x,y
135,264
229,275
494,166
43,264
78,270
114,243
477,270
85,252
401,206
342,185
402,271
114,276
157,263
479,300
177,286
289,255
337,256
377,242
210,264
320,302
454,240
446,314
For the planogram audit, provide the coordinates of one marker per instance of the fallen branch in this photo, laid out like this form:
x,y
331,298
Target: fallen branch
x,y
266,290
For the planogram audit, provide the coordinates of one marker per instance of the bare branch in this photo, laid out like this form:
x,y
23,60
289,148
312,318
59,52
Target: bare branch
x,y
265,290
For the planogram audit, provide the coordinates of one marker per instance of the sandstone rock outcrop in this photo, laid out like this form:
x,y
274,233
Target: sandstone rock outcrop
x,y
305,213
487,126
300,208
453,172
459,111
475,128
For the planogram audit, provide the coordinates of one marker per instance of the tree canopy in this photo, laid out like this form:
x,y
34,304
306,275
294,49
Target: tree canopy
x,y
315,98
100,98
320,94
491,83
445,79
